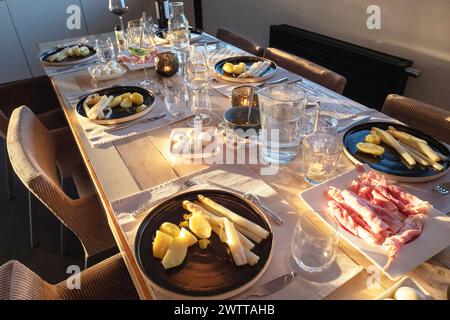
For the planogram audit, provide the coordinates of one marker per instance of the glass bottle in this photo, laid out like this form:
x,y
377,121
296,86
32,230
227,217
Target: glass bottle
x,y
179,32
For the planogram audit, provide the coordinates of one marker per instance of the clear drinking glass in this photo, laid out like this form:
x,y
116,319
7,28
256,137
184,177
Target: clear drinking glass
x,y
141,45
321,153
197,78
314,244
282,110
105,49
175,98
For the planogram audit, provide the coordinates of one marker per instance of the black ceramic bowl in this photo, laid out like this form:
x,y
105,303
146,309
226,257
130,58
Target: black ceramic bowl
x,y
238,118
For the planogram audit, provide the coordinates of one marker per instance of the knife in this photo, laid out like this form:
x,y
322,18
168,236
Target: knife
x,y
108,130
272,286
353,123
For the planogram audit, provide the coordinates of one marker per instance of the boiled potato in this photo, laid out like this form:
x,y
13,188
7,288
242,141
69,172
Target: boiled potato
x,y
176,254
137,98
116,102
141,108
200,226
203,243
370,148
239,68
188,237
228,67
161,244
126,103
170,228
372,138
125,95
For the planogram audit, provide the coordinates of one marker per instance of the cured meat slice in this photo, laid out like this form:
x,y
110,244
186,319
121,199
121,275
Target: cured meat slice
x,y
413,205
376,224
344,218
411,229
335,194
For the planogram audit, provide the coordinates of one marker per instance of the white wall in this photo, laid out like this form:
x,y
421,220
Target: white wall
x,y
413,29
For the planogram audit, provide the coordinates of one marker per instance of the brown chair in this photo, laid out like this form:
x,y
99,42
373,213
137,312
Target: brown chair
x,y
307,69
108,279
34,152
52,119
240,41
36,92
427,118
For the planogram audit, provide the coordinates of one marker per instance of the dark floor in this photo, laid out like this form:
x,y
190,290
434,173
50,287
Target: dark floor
x,y
45,259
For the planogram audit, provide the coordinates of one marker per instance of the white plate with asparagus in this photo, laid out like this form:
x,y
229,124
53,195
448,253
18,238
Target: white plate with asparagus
x,y
209,244
401,152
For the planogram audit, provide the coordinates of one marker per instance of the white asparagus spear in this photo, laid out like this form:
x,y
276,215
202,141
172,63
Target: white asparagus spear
x,y
219,230
252,258
396,133
423,158
422,148
215,214
217,223
233,242
416,155
239,220
387,138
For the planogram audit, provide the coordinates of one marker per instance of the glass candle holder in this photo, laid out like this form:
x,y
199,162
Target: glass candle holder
x,y
166,64
244,96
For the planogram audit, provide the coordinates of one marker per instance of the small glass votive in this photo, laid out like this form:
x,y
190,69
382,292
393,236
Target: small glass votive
x,y
244,96
321,153
166,64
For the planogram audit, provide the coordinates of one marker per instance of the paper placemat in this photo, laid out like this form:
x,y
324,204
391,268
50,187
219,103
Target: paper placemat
x,y
98,137
239,179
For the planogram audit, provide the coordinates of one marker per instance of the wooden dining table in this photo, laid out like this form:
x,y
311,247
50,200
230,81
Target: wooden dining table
x,y
132,165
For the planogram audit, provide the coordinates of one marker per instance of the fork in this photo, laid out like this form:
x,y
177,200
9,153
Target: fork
x,y
183,187
442,189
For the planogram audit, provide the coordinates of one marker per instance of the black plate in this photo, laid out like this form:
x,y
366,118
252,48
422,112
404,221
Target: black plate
x,y
119,112
48,53
248,60
208,272
161,34
391,162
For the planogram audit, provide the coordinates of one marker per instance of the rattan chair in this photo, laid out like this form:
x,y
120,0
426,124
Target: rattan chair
x,y
240,41
33,152
108,279
52,119
307,69
427,118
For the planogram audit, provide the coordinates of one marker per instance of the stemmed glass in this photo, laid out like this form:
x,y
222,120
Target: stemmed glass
x,y
140,45
197,78
119,8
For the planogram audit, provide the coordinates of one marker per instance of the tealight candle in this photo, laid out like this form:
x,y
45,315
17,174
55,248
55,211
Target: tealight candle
x,y
166,64
244,96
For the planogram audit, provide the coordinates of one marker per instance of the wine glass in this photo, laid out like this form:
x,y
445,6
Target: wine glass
x,y
140,45
119,8
196,77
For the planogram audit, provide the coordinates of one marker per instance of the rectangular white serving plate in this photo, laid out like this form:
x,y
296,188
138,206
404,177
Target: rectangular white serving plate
x,y
435,236
196,155
404,282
